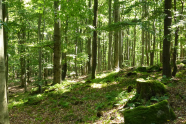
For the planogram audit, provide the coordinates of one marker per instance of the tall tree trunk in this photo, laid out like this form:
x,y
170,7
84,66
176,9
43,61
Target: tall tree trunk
x,y
142,37
4,117
22,58
57,46
134,47
147,46
89,42
167,39
120,49
64,54
28,61
110,39
99,52
161,55
5,33
154,44
116,50
176,41
76,48
120,45
94,43
40,53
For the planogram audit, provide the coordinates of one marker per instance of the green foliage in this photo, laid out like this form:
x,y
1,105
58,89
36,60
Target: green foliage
x,y
34,100
159,98
99,106
64,104
165,80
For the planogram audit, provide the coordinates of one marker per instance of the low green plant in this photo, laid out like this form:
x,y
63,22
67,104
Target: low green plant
x,y
64,104
99,106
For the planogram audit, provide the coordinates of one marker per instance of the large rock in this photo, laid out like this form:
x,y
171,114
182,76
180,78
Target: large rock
x,y
158,113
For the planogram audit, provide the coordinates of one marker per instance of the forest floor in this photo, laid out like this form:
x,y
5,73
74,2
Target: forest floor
x,y
98,101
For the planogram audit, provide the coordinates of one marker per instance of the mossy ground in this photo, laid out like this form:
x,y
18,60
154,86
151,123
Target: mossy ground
x,y
75,101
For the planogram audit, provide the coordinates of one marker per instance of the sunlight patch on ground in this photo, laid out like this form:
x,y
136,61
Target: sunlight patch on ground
x,y
117,69
94,85
101,76
71,81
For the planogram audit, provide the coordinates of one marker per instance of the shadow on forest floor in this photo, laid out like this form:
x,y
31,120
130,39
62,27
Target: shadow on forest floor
x,y
78,101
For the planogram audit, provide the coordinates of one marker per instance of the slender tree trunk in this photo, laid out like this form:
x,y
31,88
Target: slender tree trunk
x,y
154,44
103,54
161,55
142,38
147,46
5,33
99,52
89,42
167,39
176,41
134,47
64,54
4,117
22,58
40,53
120,49
28,61
94,43
116,50
110,39
57,46
127,45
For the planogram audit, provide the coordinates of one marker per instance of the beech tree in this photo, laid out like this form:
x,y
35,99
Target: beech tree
x,y
116,47
167,39
94,42
4,117
57,45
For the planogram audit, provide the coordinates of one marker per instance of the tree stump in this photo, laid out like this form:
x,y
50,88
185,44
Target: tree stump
x,y
148,88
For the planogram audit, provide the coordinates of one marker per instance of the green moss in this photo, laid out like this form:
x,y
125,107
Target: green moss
x,y
158,87
158,114
150,88
142,69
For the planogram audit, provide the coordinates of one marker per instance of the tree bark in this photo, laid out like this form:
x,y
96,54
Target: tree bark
x,y
154,43
94,43
89,43
110,39
167,39
64,54
57,46
4,117
142,37
40,53
175,41
99,53
116,50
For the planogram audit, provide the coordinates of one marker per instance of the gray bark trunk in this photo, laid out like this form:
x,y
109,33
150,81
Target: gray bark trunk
x,y
57,46
94,43
4,117
116,50
167,39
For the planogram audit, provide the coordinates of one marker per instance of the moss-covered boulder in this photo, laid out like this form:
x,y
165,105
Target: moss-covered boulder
x,y
154,68
158,113
142,69
149,88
